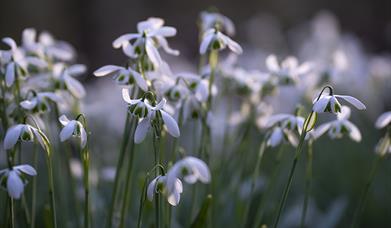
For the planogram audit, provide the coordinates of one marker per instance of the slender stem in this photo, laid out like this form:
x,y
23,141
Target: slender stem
x,y
255,176
142,200
307,182
269,188
12,212
51,190
34,191
26,210
376,162
128,179
86,162
156,146
176,140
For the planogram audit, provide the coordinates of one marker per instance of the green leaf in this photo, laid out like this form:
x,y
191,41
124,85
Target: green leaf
x,y
200,220
310,121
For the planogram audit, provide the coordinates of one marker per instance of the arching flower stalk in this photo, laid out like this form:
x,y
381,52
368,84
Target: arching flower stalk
x,y
78,128
323,103
26,132
382,149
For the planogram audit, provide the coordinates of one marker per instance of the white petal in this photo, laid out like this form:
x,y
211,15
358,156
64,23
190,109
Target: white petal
x,y
75,87
354,101
64,120
275,138
321,104
165,31
39,137
139,80
151,188
15,185
354,132
383,120
52,96
206,40
10,74
10,42
152,52
141,130
235,47
27,169
68,130
128,50
319,131
77,69
107,70
201,167
275,119
126,97
36,62
117,43
12,136
171,124
161,104
28,36
29,104
174,198
164,44
272,63
83,136
291,138
344,114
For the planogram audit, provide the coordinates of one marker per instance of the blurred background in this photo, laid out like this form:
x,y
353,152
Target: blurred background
x,y
362,28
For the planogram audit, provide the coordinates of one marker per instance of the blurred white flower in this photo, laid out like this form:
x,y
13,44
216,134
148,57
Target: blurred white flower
x,y
151,35
38,102
289,71
190,169
64,76
158,185
339,127
13,179
288,121
383,120
212,19
72,128
215,40
280,135
123,76
329,103
23,132
149,113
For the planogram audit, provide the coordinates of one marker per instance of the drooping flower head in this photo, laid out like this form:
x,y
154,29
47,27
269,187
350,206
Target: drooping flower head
x,y
384,145
72,128
209,20
22,132
38,102
330,103
213,39
13,180
63,77
158,185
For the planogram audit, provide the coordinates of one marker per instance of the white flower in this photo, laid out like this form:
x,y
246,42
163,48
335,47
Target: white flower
x,y
211,19
151,35
330,103
280,135
191,169
215,40
13,180
64,75
289,70
72,128
339,127
123,76
158,185
23,132
38,102
149,113
383,120
288,121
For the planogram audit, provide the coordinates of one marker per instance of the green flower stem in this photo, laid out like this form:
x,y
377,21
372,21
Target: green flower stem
x,y
142,201
269,188
86,162
308,182
34,191
379,158
156,147
255,176
4,118
12,212
51,190
176,140
126,201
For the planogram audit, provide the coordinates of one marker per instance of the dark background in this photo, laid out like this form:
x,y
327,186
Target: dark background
x,y
91,26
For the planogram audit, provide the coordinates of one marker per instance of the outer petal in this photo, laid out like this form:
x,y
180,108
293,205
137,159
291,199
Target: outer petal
x,y
126,97
275,137
28,104
344,114
140,81
152,52
75,87
354,132
63,120
174,197
206,40
317,132
235,47
107,70
77,69
151,190
354,101
83,136
27,169
68,130
383,120
12,136
15,185
10,74
201,168
272,63
10,42
171,124
165,31
164,44
320,105
141,130
117,43
275,119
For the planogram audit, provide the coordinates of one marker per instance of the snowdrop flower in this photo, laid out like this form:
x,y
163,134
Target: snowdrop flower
x,y
64,76
23,132
142,109
383,120
151,35
280,135
288,121
38,102
123,76
289,71
211,19
158,185
191,169
330,103
72,128
215,40
13,180
339,127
